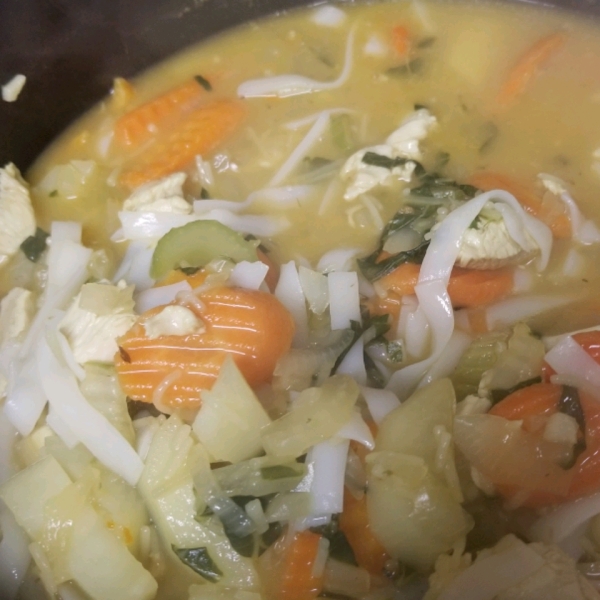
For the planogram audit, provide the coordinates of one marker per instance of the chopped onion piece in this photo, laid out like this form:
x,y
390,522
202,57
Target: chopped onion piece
x,y
135,266
346,580
341,259
380,402
328,16
289,293
248,275
159,296
93,430
353,363
356,429
14,555
569,358
315,288
284,86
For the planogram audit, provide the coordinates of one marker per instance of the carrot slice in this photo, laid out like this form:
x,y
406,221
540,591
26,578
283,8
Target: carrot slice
x,y
137,126
252,326
354,523
287,567
552,214
199,133
528,66
467,288
542,400
401,41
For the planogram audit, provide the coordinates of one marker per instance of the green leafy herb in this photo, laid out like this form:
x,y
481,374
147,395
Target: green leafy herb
x,y
489,134
412,67
375,378
269,537
378,160
341,132
53,194
200,561
313,163
420,107
499,395
373,269
434,185
570,404
280,472
204,83
204,194
34,245
441,160
339,548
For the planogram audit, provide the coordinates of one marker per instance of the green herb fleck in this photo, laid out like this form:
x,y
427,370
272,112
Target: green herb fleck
x,y
570,404
373,269
378,160
341,132
426,42
34,246
200,561
189,270
204,83
204,194
420,107
489,135
53,194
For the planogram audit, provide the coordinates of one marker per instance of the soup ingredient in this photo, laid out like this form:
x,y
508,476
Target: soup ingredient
x,y
512,569
528,66
164,195
552,214
196,244
140,124
401,42
292,567
17,221
12,89
250,325
199,133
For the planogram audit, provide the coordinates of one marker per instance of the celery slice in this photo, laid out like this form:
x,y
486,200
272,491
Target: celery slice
x,y
196,244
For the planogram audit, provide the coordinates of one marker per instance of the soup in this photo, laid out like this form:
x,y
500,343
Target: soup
x,y
311,310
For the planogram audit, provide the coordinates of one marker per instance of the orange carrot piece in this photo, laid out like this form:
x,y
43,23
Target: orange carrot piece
x,y
542,400
272,276
200,132
252,326
472,288
528,66
287,567
468,288
553,215
177,275
354,523
390,305
401,41
136,127
589,341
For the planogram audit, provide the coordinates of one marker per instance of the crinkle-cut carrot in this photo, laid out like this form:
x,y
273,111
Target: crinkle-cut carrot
x,y
288,566
527,67
468,288
200,132
354,523
552,213
139,125
252,326
542,400
401,41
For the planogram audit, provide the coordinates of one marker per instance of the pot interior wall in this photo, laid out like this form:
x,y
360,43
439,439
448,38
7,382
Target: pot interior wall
x,y
70,50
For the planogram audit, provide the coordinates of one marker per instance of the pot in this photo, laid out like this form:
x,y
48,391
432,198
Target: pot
x,y
70,50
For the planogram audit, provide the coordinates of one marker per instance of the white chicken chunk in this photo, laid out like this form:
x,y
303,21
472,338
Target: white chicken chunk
x,y
401,144
163,196
17,220
511,570
488,244
98,315
173,320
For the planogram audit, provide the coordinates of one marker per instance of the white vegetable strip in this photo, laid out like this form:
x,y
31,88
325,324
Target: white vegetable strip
x,y
328,463
379,402
284,197
356,429
148,225
435,304
93,430
353,363
258,225
551,340
557,525
289,293
14,555
569,358
521,308
448,359
344,300
315,288
159,296
489,576
248,275
341,259
292,85
60,429
135,266
413,327
302,149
